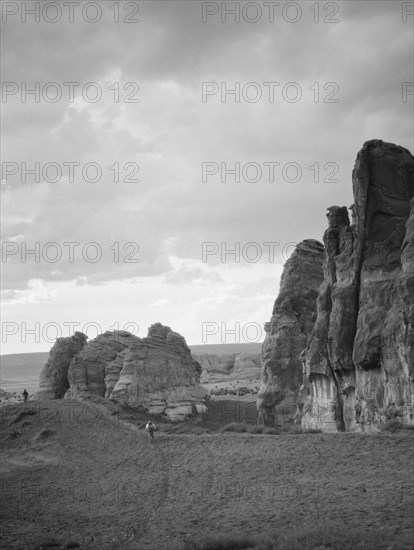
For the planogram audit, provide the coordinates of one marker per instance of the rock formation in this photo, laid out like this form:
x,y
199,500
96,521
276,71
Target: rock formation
x,y
161,375
53,382
97,367
293,317
228,367
359,363
156,372
213,363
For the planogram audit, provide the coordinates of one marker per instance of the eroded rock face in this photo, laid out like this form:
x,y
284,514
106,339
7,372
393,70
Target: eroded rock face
x,y
293,317
229,367
161,375
212,363
156,372
359,361
88,370
54,382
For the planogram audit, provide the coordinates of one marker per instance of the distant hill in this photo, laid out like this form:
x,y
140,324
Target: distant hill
x,y
22,370
23,362
224,349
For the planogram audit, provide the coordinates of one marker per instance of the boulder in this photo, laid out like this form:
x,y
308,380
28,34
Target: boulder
x,y
359,360
293,317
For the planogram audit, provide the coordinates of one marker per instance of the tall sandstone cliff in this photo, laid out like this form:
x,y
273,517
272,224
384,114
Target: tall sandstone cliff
x,y
359,362
293,317
157,373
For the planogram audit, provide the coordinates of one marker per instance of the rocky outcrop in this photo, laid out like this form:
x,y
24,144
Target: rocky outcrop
x,y
53,382
157,373
293,317
247,366
359,361
212,363
161,375
88,373
229,367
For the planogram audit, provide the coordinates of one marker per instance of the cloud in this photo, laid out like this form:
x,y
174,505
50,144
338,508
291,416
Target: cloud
x,y
151,152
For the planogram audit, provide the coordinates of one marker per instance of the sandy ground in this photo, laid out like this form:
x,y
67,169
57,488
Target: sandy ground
x,y
79,478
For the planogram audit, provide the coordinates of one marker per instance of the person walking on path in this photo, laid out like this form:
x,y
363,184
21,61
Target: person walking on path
x,y
150,429
25,395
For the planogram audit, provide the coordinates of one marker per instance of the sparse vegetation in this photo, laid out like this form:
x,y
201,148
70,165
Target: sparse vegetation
x,y
235,427
220,543
182,428
392,426
200,484
20,415
271,431
324,537
395,425
240,391
249,428
255,429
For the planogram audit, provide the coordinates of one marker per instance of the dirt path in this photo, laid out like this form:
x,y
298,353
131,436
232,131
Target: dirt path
x,y
77,475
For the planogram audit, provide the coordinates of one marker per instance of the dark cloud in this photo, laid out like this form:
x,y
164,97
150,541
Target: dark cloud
x,y
170,132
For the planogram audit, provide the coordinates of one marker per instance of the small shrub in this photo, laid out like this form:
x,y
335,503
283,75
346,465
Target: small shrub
x,y
271,431
293,430
200,431
392,426
127,417
234,427
255,429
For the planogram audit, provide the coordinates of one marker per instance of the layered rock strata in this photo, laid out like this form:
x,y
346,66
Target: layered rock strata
x,y
156,372
359,362
293,317
53,382
229,367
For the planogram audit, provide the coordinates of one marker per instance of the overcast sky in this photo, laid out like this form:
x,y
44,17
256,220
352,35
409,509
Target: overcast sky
x,y
154,121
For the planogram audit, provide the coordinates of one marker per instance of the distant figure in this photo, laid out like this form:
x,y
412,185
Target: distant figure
x,y
150,429
25,395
